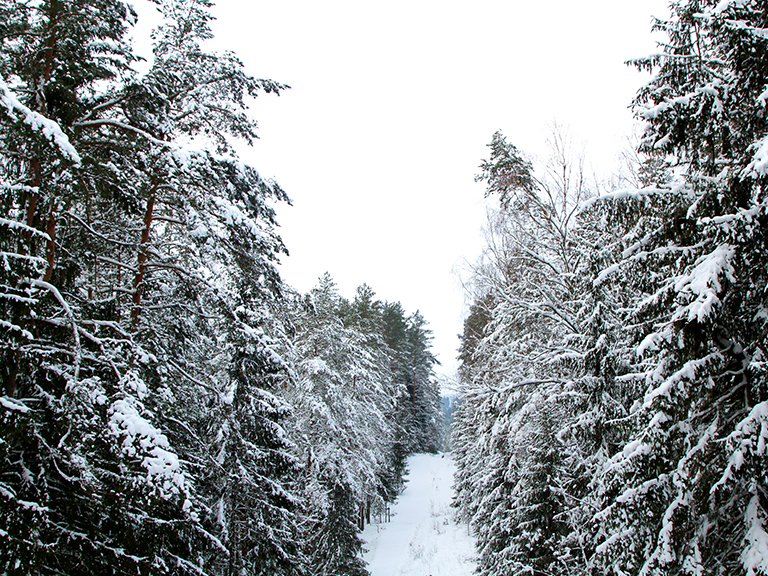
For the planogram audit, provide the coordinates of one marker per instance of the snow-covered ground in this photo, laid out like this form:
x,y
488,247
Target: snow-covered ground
x,y
422,539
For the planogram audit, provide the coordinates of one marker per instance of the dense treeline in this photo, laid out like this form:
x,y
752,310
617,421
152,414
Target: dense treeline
x,y
364,398
168,405
615,409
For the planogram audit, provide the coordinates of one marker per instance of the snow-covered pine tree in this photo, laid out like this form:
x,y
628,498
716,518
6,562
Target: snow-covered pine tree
x,y
688,493
139,303
89,483
207,268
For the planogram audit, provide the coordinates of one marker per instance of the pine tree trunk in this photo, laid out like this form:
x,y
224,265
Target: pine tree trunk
x,y
50,244
35,177
138,280
26,246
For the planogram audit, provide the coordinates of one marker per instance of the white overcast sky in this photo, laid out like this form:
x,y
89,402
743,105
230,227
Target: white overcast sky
x,y
390,109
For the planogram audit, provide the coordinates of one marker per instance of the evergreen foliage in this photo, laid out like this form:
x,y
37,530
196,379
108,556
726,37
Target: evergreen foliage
x,y
690,482
353,415
162,409
613,418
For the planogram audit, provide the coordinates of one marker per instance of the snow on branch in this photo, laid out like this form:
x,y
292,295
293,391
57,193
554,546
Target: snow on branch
x,y
18,188
726,4
749,436
141,437
687,372
37,121
68,311
196,380
664,553
613,539
638,194
13,224
13,327
759,164
11,404
755,555
604,274
704,282
180,154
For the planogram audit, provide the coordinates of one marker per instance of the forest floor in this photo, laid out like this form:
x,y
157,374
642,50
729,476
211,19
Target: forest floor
x,y
422,538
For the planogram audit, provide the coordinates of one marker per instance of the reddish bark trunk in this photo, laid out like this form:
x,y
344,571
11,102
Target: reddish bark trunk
x,y
50,245
35,179
138,280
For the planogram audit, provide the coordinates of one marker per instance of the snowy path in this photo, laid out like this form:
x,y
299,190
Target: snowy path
x,y
422,539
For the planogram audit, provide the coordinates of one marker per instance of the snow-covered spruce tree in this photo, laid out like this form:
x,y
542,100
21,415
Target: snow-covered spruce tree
x,y
468,451
419,411
688,494
343,401
527,520
472,335
393,331
335,546
474,415
428,413
365,314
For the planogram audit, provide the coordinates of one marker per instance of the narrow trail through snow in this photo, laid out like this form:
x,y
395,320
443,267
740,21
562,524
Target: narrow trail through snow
x,y
422,539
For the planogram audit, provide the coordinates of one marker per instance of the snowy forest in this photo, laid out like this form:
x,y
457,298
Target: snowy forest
x,y
615,410
169,405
